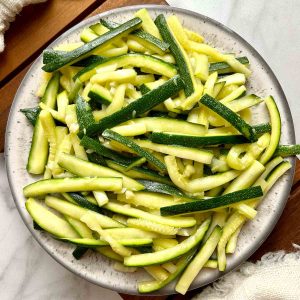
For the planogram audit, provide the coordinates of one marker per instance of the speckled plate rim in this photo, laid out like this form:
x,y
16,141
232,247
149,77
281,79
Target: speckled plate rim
x,y
288,185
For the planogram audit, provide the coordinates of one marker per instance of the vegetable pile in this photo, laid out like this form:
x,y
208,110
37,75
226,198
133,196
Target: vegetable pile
x,y
144,137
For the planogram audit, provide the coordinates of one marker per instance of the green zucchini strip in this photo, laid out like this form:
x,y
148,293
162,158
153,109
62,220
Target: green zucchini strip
x,y
84,115
234,119
92,144
139,106
198,184
179,54
212,203
224,68
76,212
111,135
83,168
198,261
49,221
137,213
151,286
138,172
38,154
72,56
63,185
147,259
287,150
275,131
158,66
195,141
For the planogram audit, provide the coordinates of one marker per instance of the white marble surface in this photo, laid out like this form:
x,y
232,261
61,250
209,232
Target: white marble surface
x,y
27,272
272,28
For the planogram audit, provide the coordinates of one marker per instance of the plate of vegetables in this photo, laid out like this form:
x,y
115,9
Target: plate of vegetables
x,y
148,150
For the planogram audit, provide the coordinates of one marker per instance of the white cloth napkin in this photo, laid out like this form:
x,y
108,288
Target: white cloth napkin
x,y
8,11
275,277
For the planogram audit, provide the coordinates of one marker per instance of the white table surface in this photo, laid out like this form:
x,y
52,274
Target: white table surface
x,y
272,27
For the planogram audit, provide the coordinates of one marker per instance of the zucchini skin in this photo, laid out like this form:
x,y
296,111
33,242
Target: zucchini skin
x,y
262,128
287,150
157,285
84,115
93,144
31,114
139,106
183,69
212,203
234,119
115,59
111,135
224,68
81,201
195,141
140,173
79,252
157,187
93,59
68,58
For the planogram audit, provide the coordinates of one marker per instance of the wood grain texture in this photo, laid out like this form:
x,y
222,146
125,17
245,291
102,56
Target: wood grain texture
x,y
111,4
36,26
7,94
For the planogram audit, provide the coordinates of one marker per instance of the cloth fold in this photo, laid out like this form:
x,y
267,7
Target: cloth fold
x,y
275,277
8,11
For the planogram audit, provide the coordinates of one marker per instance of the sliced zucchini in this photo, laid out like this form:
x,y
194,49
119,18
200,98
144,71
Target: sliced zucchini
x,y
49,221
167,189
137,213
139,106
198,184
147,23
275,130
31,114
84,115
201,156
79,227
162,124
91,243
83,168
76,212
63,185
224,68
146,199
103,40
137,60
39,146
83,202
163,256
287,150
152,226
181,58
111,135
100,94
148,287
212,203
92,144
138,172
198,261
194,140
234,119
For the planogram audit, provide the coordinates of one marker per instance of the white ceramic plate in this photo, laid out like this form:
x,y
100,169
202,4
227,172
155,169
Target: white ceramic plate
x,y
94,267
